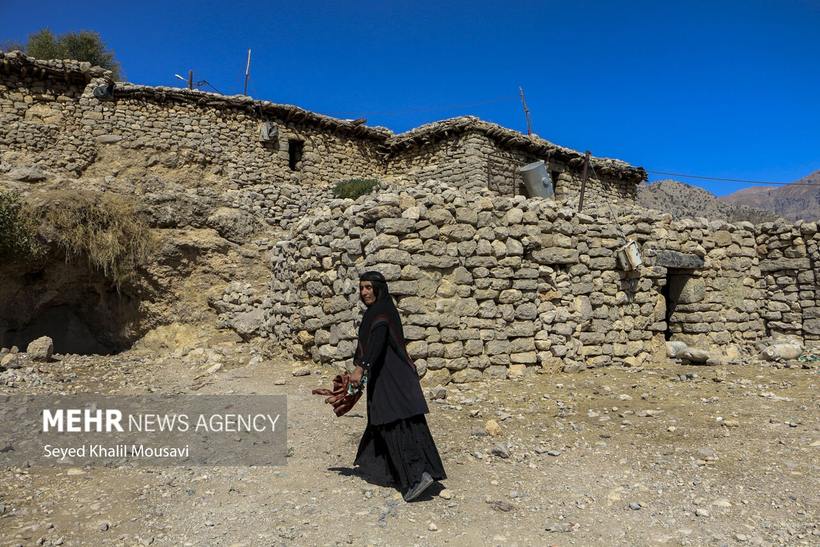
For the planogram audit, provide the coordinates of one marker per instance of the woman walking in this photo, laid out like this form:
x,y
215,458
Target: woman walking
x,y
397,445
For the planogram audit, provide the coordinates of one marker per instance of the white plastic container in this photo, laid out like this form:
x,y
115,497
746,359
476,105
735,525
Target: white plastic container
x,y
629,256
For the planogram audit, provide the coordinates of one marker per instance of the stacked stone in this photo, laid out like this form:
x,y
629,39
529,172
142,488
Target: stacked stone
x,y
487,286
240,308
51,116
618,308
280,205
457,161
789,279
717,304
810,299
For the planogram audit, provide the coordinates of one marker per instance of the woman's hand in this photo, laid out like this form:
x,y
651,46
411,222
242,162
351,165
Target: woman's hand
x,y
356,376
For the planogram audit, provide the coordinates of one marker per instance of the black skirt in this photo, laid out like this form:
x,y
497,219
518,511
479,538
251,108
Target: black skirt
x,y
399,452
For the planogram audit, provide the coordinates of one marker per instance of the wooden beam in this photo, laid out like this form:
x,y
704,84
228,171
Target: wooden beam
x,y
584,181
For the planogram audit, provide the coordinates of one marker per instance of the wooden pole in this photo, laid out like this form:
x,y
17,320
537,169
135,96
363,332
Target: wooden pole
x,y
247,72
526,110
190,79
584,181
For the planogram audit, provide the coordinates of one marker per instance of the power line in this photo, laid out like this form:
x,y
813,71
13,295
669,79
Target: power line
x,y
506,98
720,179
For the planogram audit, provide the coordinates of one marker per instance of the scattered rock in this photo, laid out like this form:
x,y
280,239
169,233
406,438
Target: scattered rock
x,y
10,361
302,371
559,527
214,368
492,428
500,450
501,505
635,506
438,393
675,348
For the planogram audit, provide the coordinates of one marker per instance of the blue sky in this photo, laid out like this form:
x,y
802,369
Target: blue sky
x,y
720,88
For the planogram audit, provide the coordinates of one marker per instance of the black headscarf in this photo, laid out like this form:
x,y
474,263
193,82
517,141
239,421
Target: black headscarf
x,y
382,311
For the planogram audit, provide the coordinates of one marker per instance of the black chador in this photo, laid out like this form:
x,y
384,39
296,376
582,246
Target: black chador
x,y
397,446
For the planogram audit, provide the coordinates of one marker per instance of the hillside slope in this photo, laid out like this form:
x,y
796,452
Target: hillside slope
x,y
685,201
799,200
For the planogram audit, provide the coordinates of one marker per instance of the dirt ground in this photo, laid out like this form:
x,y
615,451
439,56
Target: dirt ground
x,y
670,455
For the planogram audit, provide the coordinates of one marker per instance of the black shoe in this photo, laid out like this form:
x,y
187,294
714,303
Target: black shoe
x,y
416,490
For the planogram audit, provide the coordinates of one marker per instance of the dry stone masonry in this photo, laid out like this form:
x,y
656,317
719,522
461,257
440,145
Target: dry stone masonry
x,y
493,286
490,283
62,115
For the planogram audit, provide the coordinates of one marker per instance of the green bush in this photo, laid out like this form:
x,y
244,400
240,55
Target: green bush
x,y
18,229
81,46
354,188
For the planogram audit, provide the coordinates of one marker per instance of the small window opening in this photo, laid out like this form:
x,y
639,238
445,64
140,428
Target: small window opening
x,y
295,150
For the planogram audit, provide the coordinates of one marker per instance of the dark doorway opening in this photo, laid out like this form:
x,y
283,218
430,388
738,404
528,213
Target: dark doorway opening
x,y
296,149
676,281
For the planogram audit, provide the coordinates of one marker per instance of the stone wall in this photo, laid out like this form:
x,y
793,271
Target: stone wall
x,y
458,160
716,305
61,126
788,265
489,286
503,176
51,117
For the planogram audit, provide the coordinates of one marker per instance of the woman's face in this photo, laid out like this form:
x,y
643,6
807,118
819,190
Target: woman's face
x,y
366,292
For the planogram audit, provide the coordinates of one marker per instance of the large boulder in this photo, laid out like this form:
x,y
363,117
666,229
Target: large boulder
x,y
249,323
41,349
10,360
27,174
695,356
233,224
783,351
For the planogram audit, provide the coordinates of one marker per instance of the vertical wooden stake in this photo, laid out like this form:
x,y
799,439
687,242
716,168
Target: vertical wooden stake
x,y
526,110
247,72
584,181
190,79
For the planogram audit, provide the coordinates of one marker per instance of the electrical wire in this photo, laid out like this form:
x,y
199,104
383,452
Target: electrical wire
x,y
720,179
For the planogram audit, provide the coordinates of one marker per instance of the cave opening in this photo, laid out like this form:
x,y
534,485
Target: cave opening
x,y
72,303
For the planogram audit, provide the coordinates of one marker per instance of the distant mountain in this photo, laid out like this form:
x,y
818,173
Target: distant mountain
x,y
685,201
795,201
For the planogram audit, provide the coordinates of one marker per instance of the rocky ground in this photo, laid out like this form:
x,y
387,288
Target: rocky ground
x,y
670,454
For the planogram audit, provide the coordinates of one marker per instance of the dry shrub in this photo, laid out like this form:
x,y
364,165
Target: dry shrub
x,y
103,227
18,230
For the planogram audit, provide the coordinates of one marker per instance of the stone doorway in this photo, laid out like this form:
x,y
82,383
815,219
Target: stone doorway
x,y
673,295
682,292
